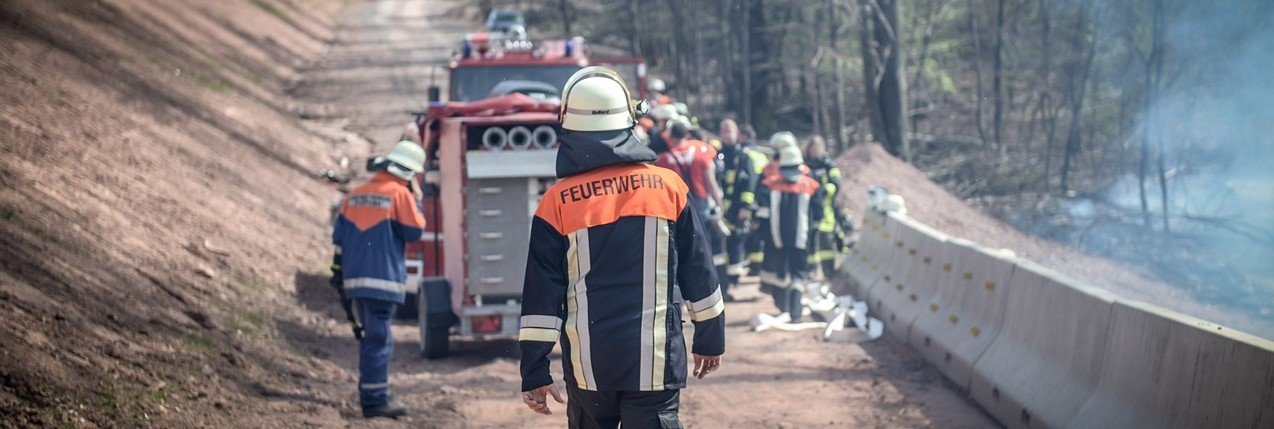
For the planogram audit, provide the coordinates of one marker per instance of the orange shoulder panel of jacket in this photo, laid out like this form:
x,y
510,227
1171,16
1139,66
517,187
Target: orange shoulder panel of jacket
x,y
803,185
406,212
604,195
368,205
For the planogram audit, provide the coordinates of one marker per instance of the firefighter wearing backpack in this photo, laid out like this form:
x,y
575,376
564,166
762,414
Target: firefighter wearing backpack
x,y
789,196
616,252
375,222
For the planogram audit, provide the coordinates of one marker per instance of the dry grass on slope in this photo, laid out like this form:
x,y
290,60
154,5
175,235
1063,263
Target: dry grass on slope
x,y
154,207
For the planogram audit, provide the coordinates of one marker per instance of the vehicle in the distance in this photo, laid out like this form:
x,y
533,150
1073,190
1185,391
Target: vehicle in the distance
x,y
491,153
503,20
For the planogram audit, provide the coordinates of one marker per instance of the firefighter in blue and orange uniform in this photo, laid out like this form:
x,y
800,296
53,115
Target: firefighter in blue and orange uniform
x,y
616,253
789,196
376,221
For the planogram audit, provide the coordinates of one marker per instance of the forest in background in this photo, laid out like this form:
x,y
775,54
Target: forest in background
x,y
1128,128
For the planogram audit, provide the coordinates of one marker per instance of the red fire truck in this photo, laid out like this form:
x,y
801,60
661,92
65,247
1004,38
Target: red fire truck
x,y
491,154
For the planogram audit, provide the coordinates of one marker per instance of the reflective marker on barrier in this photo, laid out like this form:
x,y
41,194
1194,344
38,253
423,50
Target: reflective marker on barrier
x,y
898,286
968,276
974,331
946,267
990,285
933,308
928,260
912,252
913,297
953,319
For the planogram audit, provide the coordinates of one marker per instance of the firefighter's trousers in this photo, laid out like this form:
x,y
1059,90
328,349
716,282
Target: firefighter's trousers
x,y
375,351
824,249
736,253
586,409
783,275
720,259
755,245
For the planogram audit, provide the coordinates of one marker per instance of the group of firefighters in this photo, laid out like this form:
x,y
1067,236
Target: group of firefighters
x,y
615,265
772,206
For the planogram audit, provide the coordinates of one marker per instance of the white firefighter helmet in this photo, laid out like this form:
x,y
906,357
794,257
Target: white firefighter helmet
x,y
656,85
790,156
596,99
783,139
409,155
663,112
678,119
895,203
682,109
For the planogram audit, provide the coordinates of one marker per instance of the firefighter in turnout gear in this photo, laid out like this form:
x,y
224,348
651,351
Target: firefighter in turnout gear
x,y
790,196
696,162
375,223
741,171
753,241
616,253
828,236
758,244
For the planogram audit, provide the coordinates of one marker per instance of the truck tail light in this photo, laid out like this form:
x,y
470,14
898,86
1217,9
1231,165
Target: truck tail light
x,y
487,324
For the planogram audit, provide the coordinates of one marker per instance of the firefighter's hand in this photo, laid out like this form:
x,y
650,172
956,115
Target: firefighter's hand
x,y
415,189
537,399
705,365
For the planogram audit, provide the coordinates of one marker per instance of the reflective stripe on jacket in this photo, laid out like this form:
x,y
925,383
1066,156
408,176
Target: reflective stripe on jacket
x,y
828,176
615,253
375,223
790,204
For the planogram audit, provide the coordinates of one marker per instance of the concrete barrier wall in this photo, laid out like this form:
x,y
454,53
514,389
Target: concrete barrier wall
x,y
967,313
1167,370
909,283
1039,350
1046,361
868,250
886,261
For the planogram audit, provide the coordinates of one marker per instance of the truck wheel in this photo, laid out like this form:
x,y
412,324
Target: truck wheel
x,y
434,340
409,310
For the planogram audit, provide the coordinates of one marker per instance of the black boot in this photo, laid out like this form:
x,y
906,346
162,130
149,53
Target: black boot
x,y
389,411
794,307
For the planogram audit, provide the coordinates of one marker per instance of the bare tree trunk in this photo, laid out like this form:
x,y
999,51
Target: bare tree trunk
x,y
977,69
677,48
925,40
1046,99
839,143
726,61
1074,134
816,99
564,7
895,84
870,69
634,19
1157,77
746,91
997,91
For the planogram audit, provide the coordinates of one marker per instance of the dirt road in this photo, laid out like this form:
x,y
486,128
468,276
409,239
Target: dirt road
x,y
378,67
